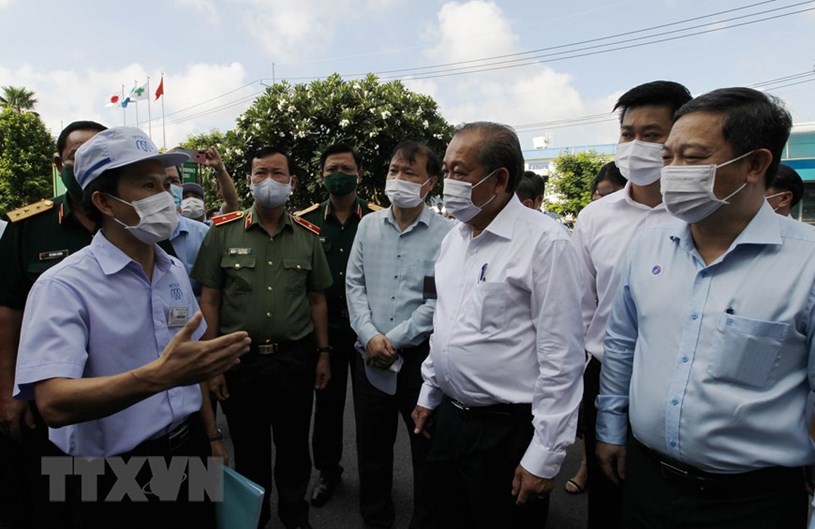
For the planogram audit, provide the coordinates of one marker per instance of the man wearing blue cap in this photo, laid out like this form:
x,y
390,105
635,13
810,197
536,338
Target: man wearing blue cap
x,y
108,347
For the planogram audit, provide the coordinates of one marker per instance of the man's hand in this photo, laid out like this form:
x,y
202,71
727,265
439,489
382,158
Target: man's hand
x,y
612,461
184,361
214,160
217,386
380,351
323,371
14,414
219,450
422,420
527,486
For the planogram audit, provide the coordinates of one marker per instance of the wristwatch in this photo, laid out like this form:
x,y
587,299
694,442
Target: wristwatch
x,y
217,436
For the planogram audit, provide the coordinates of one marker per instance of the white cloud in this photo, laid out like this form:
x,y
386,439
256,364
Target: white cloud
x,y
516,96
69,95
198,8
4,3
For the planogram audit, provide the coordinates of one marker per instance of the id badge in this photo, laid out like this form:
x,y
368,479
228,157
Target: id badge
x,y
178,316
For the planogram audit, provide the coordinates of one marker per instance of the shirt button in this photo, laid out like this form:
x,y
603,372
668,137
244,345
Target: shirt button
x,y
398,256
396,277
674,402
684,359
342,250
693,316
298,267
270,263
673,444
269,288
391,319
393,297
237,265
340,274
268,314
268,340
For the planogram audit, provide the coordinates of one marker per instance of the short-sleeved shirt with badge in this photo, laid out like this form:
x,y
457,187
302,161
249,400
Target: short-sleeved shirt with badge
x,y
337,239
37,237
264,278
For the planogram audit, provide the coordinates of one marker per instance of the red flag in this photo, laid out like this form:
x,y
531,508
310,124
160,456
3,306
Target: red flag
x,y
114,101
160,89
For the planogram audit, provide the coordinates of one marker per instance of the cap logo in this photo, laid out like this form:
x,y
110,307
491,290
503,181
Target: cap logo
x,y
143,144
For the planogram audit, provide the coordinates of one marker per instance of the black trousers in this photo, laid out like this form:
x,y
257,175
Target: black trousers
x,y
274,391
329,406
655,498
24,496
128,514
377,419
470,469
605,499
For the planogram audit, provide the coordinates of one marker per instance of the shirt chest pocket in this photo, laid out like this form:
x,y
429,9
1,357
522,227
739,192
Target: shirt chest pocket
x,y
295,272
745,351
238,271
490,299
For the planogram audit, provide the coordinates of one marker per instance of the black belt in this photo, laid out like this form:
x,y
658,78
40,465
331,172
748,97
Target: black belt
x,y
692,478
277,347
169,442
491,411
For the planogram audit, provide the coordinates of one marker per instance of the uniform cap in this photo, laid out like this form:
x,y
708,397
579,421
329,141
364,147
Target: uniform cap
x,y
117,147
192,187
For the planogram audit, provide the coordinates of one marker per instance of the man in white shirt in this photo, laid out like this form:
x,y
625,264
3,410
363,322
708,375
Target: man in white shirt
x,y
600,238
503,376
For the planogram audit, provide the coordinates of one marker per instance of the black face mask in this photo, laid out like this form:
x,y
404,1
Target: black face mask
x,y
68,178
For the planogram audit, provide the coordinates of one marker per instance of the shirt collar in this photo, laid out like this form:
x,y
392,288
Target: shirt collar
x,y
113,260
503,223
763,228
181,227
624,195
423,218
252,219
357,209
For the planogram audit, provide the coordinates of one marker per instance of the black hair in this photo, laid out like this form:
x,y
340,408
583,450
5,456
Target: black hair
x,y
609,172
752,120
265,152
340,148
74,126
787,179
660,93
500,148
531,187
107,183
409,149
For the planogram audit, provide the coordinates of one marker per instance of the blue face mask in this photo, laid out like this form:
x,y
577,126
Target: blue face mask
x,y
178,194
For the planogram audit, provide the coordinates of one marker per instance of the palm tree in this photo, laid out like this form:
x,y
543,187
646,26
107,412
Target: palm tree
x,y
19,99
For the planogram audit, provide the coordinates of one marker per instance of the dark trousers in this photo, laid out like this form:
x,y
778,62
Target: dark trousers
x,y
377,420
329,407
128,514
605,498
274,391
24,496
470,470
655,498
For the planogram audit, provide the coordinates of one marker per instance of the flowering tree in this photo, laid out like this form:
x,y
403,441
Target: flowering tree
x,y
304,119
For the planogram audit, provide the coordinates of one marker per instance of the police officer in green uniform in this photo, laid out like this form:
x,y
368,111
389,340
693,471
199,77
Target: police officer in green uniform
x,y
263,271
338,217
37,237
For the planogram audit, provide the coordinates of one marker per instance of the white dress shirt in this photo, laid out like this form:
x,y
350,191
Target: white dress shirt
x,y
507,327
601,236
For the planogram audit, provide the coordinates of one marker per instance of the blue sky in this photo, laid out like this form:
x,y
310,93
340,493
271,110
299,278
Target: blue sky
x,y
216,55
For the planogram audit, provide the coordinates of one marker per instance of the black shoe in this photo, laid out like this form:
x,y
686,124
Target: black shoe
x,y
323,490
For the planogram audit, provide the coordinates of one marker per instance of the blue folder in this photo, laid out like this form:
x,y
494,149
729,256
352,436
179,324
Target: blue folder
x,y
240,508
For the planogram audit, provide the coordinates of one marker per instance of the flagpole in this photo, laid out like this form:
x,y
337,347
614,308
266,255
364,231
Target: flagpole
x,y
124,115
149,118
136,100
163,127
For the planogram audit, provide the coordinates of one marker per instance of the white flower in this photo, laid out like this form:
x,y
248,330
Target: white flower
x,y
372,134
425,124
355,86
437,136
301,134
282,134
385,114
291,108
344,123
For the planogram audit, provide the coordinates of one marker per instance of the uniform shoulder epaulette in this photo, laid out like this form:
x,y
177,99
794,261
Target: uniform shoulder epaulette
x,y
218,220
307,210
374,207
30,210
313,228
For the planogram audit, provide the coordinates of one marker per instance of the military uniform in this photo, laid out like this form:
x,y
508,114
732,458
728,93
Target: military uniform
x,y
264,280
37,237
337,239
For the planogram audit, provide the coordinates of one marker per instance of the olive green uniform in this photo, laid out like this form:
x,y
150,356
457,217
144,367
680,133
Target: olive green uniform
x,y
337,239
264,280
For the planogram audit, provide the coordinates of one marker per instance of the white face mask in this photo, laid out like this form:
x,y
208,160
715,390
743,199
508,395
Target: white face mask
x,y
158,218
270,193
178,194
404,194
192,208
458,198
639,161
687,190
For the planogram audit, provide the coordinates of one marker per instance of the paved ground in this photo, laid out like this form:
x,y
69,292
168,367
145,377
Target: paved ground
x,y
566,511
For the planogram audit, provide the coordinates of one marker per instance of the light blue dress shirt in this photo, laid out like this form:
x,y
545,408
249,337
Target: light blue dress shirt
x,y
186,240
97,314
385,274
713,364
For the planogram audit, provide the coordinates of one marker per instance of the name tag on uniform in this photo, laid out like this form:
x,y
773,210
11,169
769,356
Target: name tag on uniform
x,y
239,251
178,316
53,254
